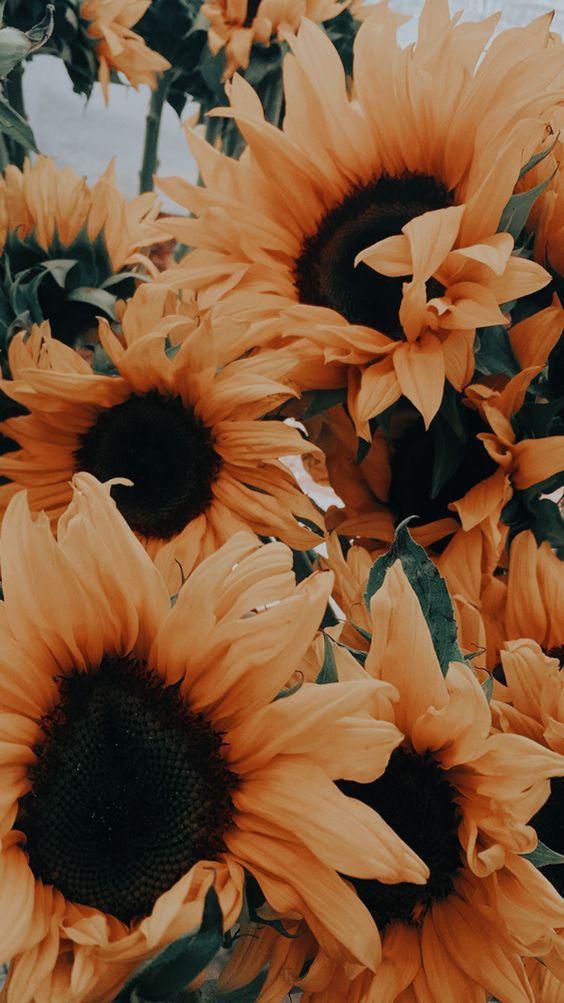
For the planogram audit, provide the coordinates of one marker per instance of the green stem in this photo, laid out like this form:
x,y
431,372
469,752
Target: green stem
x,y
14,94
150,161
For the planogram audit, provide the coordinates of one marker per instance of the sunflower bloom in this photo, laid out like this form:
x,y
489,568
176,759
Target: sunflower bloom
x,y
528,601
530,702
455,795
66,245
390,260
106,691
190,438
117,47
236,25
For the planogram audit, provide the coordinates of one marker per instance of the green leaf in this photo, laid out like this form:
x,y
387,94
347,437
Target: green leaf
x,y
517,210
179,963
429,588
328,672
543,856
447,454
16,127
15,45
494,355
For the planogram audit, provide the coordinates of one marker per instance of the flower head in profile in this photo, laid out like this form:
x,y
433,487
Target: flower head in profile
x,y
390,259
189,436
237,25
144,757
118,48
66,244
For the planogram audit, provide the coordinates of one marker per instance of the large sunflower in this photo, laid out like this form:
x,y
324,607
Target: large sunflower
x,y
68,248
143,759
390,258
462,796
190,438
117,47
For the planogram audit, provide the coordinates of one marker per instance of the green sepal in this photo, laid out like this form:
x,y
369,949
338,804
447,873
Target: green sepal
x,y
291,689
543,856
363,633
537,157
179,963
518,208
429,588
487,687
99,298
328,672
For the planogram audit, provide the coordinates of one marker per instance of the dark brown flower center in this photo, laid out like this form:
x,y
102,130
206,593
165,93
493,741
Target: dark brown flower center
x,y
165,450
325,274
130,790
414,797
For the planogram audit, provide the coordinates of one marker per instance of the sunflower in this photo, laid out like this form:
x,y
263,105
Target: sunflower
x,y
235,25
530,702
526,600
143,759
190,438
118,48
69,249
453,792
390,259
546,220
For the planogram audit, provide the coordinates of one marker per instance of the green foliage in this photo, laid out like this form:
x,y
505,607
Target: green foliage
x,y
493,352
517,210
181,962
429,588
69,40
543,856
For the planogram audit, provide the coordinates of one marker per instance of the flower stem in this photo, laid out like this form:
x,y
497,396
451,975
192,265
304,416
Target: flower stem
x,y
150,161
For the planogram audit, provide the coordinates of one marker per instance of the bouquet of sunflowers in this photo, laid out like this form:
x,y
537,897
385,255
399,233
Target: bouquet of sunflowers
x,y
282,618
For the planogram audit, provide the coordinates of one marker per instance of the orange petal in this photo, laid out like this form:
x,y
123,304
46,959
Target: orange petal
x,y
420,371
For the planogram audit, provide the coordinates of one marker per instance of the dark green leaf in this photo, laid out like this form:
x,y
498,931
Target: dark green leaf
x,y
322,400
16,127
543,856
429,588
494,355
179,963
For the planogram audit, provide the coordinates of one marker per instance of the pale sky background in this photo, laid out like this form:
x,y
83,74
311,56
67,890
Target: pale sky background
x,y
86,135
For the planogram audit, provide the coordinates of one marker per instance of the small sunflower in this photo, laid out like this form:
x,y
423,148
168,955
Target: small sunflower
x,y
144,757
68,248
236,25
118,48
390,259
191,439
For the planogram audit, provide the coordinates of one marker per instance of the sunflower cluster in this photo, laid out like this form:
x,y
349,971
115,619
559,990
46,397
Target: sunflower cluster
x,y
282,616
